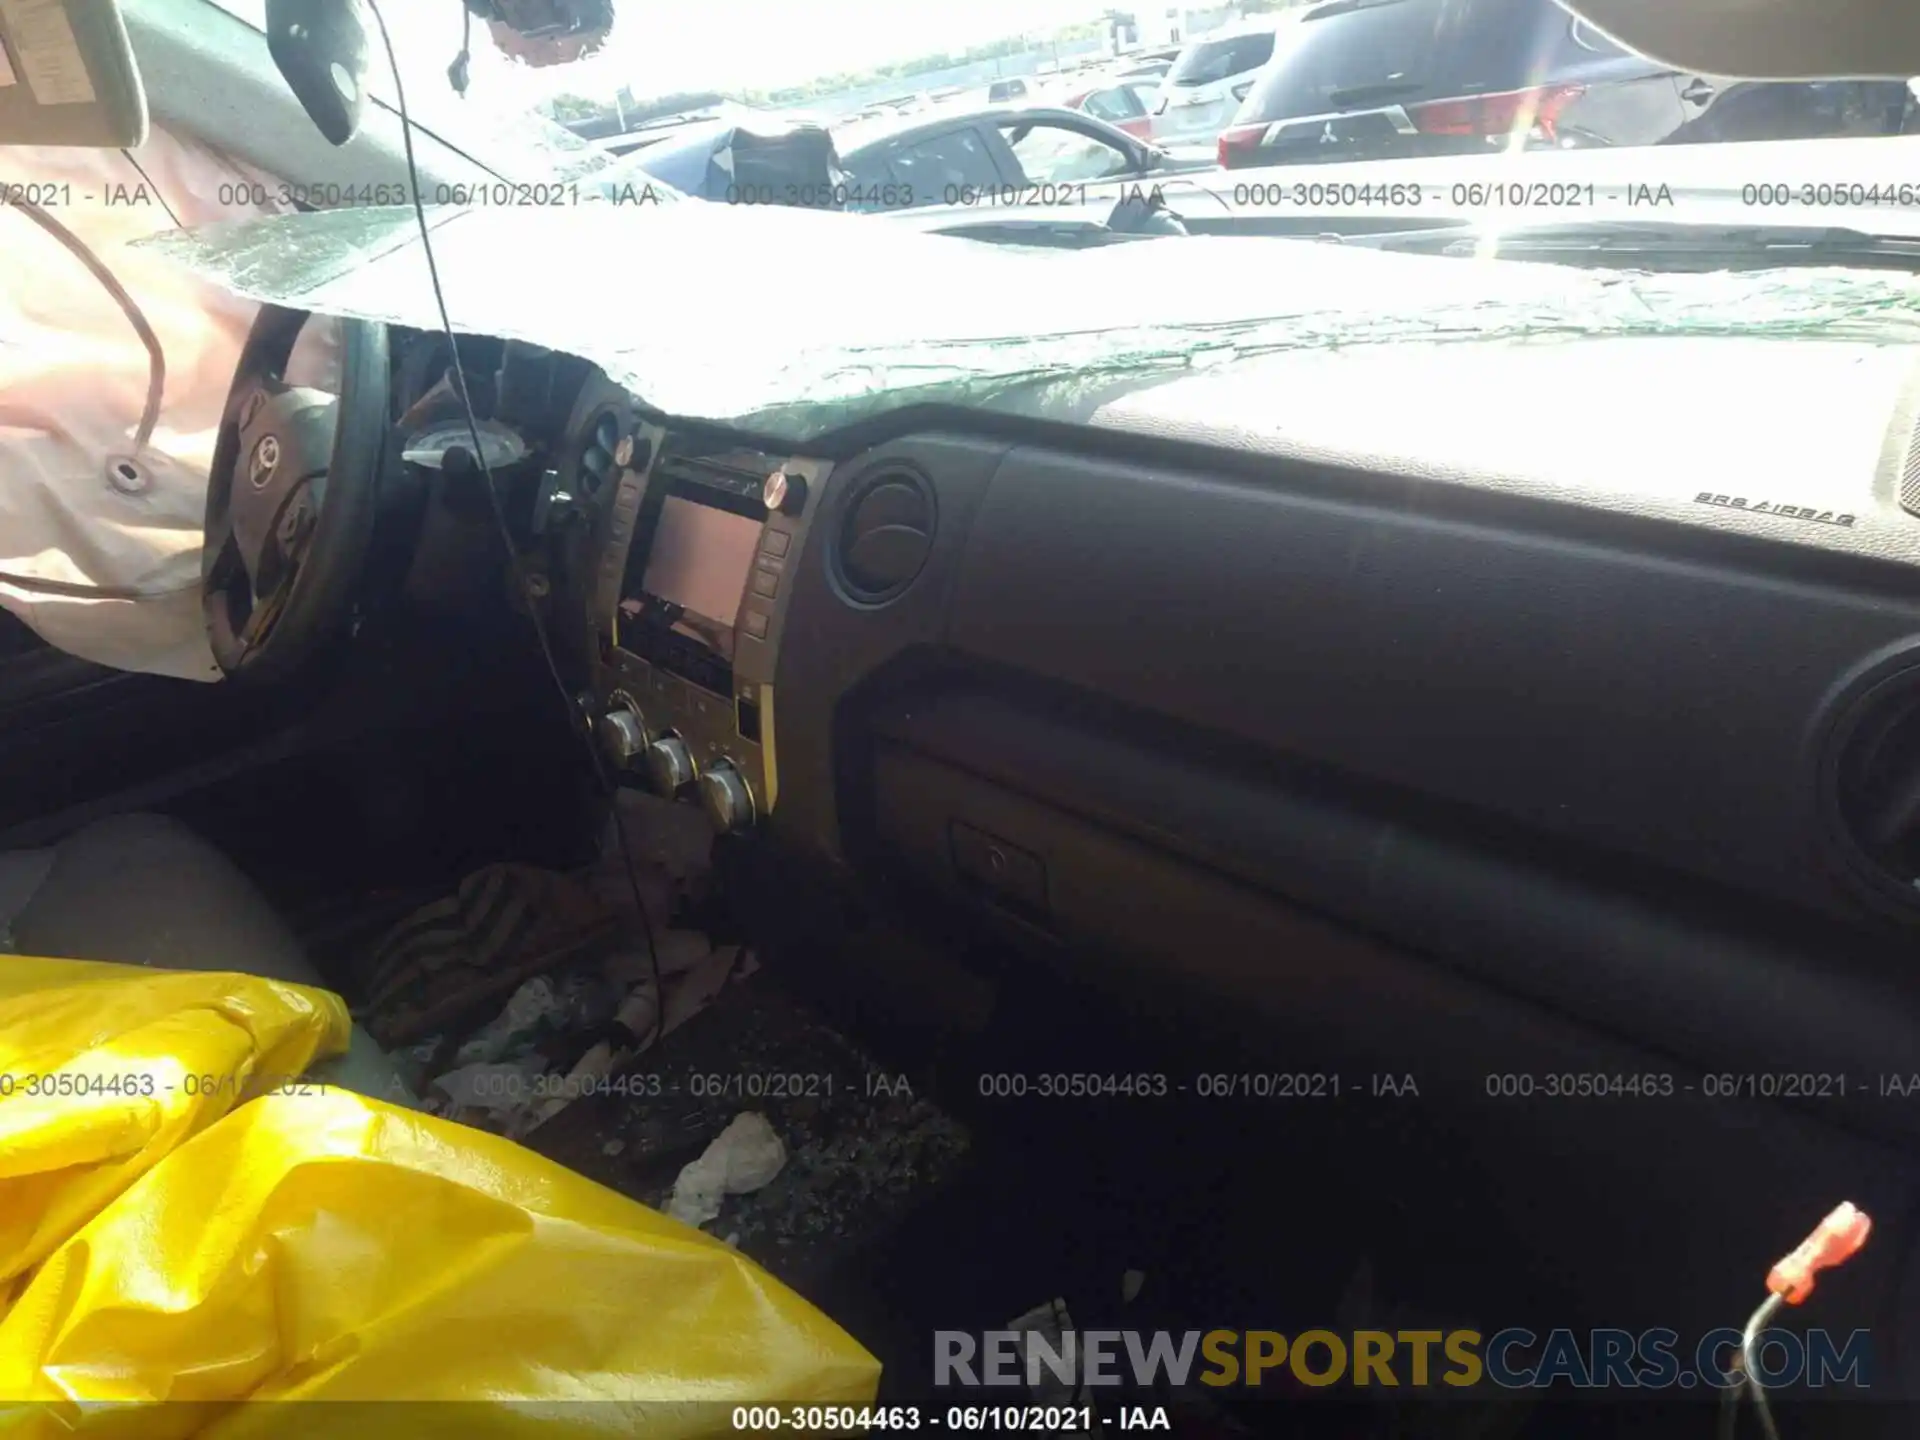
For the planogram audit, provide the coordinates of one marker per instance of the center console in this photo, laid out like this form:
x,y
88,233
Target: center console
x,y
688,608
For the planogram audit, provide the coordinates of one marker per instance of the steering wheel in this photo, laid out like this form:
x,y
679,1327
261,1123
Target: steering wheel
x,y
291,498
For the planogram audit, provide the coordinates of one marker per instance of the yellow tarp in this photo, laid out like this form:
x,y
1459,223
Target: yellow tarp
x,y
104,1069
313,1245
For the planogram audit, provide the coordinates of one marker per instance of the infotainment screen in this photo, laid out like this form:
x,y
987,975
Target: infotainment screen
x,y
694,573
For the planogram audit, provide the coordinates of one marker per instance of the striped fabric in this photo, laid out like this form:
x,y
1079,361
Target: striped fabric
x,y
503,925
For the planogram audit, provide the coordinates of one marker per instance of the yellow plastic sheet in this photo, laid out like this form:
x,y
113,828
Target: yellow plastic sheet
x,y
400,1274
104,1069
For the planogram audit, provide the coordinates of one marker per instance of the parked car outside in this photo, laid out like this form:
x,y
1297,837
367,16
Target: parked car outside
x,y
1125,104
1010,156
1204,87
1379,79
745,159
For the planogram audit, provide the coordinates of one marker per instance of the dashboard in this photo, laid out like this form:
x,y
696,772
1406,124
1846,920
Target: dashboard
x,y
1559,703
1626,624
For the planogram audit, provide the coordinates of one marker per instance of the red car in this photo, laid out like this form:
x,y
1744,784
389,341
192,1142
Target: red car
x,y
1124,104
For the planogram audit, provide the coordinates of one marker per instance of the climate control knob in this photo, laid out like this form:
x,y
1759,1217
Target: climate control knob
x,y
623,738
670,764
728,801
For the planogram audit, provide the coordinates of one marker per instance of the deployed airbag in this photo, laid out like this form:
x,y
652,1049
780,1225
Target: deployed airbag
x,y
104,532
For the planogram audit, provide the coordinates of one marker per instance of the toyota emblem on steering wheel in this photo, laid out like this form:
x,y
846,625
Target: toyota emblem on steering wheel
x,y
266,458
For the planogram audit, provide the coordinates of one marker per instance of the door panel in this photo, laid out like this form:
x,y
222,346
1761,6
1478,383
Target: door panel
x,y
72,732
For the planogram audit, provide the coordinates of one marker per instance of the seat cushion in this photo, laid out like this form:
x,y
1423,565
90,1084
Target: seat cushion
x,y
146,890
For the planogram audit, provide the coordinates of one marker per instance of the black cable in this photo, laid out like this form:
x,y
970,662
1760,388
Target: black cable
x,y
506,535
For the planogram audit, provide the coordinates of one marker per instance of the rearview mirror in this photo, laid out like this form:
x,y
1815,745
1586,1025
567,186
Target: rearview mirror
x,y
320,47
540,33
68,77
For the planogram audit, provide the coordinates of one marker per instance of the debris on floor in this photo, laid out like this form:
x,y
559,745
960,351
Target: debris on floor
x,y
563,1037
560,1039
863,1149
743,1158
531,1004
490,1085
450,962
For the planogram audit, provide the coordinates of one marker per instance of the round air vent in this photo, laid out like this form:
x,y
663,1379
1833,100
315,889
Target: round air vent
x,y
886,535
1873,783
597,464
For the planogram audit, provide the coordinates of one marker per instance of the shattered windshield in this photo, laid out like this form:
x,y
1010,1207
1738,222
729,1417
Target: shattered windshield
x,y
1482,131
839,332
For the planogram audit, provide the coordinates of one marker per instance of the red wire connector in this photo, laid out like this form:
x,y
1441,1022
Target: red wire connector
x,y
1836,1239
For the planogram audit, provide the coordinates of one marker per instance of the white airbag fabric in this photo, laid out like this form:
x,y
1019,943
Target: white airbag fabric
x,y
74,378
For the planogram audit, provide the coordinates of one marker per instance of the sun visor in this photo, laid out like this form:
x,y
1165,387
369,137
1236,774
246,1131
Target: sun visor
x,y
1767,39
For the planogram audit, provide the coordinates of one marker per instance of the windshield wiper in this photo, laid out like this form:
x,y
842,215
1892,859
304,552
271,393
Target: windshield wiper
x,y
1669,245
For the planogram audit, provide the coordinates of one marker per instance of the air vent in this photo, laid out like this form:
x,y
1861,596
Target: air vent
x,y
1875,784
887,535
596,461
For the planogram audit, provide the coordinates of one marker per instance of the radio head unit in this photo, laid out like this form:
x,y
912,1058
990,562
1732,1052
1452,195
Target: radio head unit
x,y
693,584
685,579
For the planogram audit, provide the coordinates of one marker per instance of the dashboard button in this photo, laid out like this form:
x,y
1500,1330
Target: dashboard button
x,y
757,624
789,496
623,737
728,801
766,583
1005,872
776,543
671,766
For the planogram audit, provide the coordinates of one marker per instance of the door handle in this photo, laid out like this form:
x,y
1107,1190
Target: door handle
x,y
1698,93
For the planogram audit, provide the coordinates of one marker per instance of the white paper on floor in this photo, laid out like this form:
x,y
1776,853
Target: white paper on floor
x,y
688,994
742,1158
493,1086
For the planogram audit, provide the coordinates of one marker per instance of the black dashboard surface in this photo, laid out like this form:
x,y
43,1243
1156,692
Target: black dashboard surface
x,y
1531,658
1449,708
1512,578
